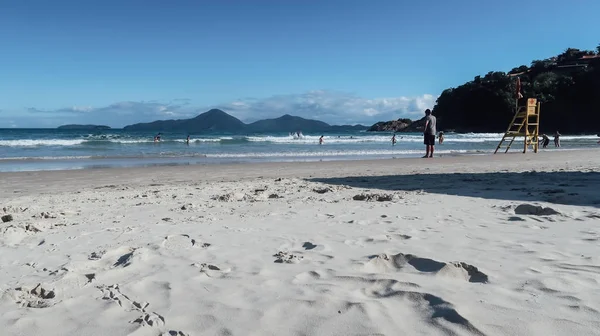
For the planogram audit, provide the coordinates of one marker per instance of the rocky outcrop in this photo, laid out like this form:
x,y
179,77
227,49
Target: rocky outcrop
x,y
390,126
400,125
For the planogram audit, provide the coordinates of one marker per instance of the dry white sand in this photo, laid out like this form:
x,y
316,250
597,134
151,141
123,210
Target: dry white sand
x,y
450,246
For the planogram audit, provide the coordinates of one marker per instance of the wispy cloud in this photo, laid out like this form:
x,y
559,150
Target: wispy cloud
x,y
329,106
117,115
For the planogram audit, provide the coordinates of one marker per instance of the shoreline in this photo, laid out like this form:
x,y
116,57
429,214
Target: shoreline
x,y
46,180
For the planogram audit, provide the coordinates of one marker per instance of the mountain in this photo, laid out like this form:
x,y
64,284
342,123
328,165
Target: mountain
x,y
211,121
218,121
567,85
83,127
288,123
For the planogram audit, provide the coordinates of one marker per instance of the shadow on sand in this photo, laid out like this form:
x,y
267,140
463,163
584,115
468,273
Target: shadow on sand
x,y
567,188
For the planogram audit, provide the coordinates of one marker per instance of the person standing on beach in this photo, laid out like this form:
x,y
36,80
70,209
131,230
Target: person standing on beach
x,y
556,139
429,134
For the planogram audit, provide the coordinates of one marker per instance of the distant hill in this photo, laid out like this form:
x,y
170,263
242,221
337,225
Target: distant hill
x,y
218,121
84,127
288,123
211,121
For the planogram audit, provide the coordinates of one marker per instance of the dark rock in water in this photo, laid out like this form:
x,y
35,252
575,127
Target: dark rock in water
x,y
536,210
7,218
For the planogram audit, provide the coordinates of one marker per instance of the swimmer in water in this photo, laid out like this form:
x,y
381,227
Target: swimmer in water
x,y
394,140
321,140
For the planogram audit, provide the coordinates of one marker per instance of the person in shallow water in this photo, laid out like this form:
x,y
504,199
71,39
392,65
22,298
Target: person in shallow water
x,y
394,140
441,137
187,140
321,140
556,139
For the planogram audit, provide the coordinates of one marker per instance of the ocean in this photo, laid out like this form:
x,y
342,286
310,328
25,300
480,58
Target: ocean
x,y
52,149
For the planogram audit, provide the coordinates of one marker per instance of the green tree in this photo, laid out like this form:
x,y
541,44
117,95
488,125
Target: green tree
x,y
571,54
522,68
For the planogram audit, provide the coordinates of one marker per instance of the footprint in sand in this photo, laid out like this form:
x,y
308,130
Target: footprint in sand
x,y
459,270
96,255
385,238
287,258
146,318
306,251
36,297
431,307
174,333
322,190
376,197
150,319
181,242
211,271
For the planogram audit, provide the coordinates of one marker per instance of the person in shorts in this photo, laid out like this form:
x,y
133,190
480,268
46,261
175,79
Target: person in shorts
x,y
429,134
556,139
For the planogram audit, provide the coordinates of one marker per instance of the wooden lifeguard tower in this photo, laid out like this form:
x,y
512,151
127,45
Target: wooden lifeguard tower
x,y
525,124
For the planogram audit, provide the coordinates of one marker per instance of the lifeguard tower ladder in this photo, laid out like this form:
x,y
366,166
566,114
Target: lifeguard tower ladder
x,y
526,124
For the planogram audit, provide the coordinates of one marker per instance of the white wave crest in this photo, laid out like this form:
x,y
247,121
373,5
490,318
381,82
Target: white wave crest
x,y
40,142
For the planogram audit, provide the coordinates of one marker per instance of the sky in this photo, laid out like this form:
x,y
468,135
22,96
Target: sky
x,y
341,61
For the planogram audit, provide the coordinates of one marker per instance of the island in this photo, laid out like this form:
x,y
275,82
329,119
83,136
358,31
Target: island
x,y
84,127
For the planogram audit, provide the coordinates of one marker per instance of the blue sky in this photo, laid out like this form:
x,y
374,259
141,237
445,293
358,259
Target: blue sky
x,y
350,61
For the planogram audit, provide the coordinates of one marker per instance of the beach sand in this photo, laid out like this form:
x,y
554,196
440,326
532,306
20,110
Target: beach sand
x,y
473,245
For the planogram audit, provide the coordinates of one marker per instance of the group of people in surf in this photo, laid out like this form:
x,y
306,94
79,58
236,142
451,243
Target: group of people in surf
x,y
157,138
544,141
